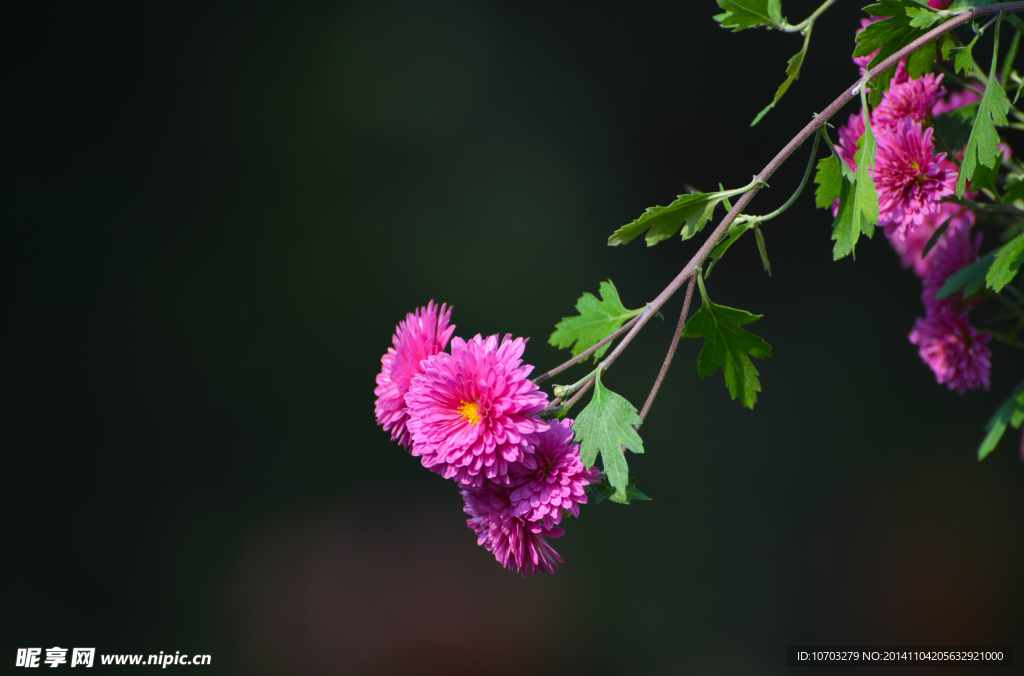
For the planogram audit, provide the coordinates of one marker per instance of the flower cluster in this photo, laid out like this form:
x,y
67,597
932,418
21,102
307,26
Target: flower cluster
x,y
912,180
471,415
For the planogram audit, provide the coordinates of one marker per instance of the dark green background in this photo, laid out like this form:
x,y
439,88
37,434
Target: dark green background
x,y
214,216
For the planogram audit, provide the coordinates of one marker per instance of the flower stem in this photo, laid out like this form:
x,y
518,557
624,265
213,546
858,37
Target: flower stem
x,y
671,352
583,355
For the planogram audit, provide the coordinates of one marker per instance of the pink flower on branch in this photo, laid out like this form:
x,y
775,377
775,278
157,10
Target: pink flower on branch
x,y
910,248
954,251
517,543
555,478
471,412
420,335
953,349
910,178
911,98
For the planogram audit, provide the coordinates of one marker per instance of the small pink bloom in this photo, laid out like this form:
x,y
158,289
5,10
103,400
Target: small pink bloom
x,y
555,481
517,543
910,178
421,334
940,4
471,412
910,98
953,349
910,249
954,251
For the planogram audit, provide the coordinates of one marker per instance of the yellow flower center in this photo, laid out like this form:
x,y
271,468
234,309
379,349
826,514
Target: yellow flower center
x,y
470,411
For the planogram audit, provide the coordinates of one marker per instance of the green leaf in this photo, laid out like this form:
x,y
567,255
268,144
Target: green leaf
x,y
983,146
1014,191
596,321
694,209
920,61
858,201
1006,265
922,17
829,178
740,14
934,239
843,232
727,345
762,250
1016,22
733,233
963,60
1011,412
888,36
970,279
604,427
953,129
792,75
604,491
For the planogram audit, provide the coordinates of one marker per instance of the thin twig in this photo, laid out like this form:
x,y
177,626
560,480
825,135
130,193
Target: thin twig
x,y
583,355
995,208
671,351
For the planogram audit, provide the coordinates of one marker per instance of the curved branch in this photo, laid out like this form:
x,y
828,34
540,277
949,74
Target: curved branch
x,y
709,244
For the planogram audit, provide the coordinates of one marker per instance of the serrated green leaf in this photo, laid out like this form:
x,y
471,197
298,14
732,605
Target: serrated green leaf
x,y
1010,413
953,129
693,210
1014,191
727,345
792,75
829,178
983,146
865,196
1006,265
922,17
843,232
970,279
963,59
888,37
603,428
740,14
604,491
920,61
597,319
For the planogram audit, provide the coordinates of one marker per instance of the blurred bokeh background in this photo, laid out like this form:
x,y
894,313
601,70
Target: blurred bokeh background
x,y
216,213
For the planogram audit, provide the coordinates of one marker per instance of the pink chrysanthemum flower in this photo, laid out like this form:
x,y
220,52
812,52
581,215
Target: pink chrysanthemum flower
x,y
954,350
555,478
912,98
421,334
953,252
517,543
910,249
849,135
940,4
471,412
909,176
